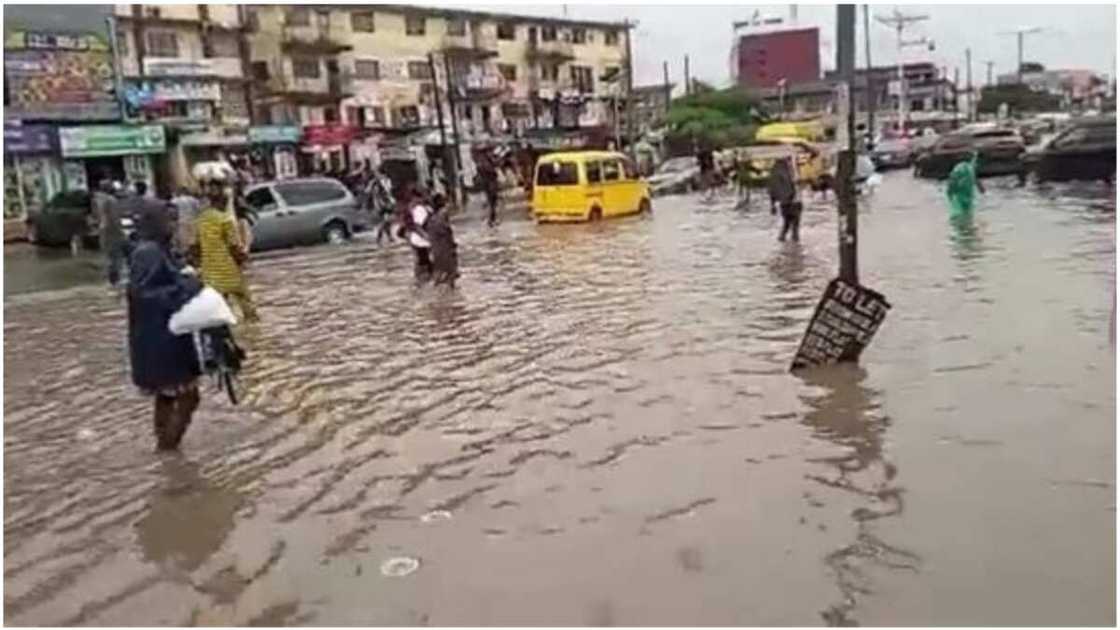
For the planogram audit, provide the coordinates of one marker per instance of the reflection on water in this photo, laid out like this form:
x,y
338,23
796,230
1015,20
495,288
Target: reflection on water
x,y
185,497
849,415
603,418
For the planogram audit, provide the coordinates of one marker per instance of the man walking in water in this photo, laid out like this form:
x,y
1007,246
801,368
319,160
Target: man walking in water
x,y
488,173
962,184
113,243
783,189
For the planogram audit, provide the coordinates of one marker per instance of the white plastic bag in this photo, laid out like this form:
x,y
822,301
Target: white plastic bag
x,y
206,310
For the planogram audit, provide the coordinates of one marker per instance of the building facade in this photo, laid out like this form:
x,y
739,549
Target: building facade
x,y
351,76
779,57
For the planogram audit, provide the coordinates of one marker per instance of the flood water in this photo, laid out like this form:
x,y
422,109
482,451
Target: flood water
x,y
599,428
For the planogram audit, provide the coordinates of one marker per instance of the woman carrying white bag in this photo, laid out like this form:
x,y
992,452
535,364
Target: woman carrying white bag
x,y
208,318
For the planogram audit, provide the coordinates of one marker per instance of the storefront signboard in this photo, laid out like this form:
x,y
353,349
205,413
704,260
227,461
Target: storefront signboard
x,y
274,134
52,76
22,139
100,140
329,135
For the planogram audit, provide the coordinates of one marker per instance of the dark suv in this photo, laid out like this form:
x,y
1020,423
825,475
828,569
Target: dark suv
x,y
1086,150
1000,150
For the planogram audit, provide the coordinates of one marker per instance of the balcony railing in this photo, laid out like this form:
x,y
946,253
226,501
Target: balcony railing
x,y
472,45
314,40
555,50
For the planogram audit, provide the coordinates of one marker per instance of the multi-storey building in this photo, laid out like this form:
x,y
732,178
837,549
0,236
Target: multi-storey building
x,y
342,72
181,67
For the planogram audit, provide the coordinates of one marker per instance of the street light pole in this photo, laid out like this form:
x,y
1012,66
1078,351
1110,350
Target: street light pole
x,y
845,192
1019,33
899,21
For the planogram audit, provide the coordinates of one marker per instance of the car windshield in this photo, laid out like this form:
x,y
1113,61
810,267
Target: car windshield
x,y
893,145
995,133
676,165
69,200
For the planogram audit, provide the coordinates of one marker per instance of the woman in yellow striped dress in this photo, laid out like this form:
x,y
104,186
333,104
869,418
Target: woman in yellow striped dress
x,y
221,253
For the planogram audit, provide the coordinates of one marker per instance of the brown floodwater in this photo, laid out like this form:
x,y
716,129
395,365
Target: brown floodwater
x,y
598,428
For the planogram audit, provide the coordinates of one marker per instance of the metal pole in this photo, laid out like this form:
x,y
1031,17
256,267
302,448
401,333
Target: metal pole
x,y
629,95
901,87
1019,68
114,48
668,87
19,184
871,95
968,79
846,198
450,176
687,78
457,159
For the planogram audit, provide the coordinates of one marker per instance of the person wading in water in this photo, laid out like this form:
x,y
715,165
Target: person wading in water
x,y
444,250
783,189
414,228
164,365
221,253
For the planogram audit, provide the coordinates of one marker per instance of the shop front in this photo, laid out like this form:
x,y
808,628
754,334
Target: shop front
x,y
325,148
32,171
274,148
119,152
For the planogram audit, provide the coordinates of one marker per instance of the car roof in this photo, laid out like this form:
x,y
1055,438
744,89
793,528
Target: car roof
x,y
294,180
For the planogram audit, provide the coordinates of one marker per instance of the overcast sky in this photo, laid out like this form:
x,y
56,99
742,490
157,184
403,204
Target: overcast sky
x,y
1076,36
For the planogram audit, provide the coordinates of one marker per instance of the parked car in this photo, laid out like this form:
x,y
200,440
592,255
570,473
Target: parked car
x,y
65,220
303,211
587,186
675,176
1084,151
893,153
1000,151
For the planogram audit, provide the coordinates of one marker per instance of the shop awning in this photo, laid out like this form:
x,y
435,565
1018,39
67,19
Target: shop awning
x,y
107,140
213,139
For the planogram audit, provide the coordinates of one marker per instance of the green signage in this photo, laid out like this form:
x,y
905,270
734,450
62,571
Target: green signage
x,y
98,140
274,134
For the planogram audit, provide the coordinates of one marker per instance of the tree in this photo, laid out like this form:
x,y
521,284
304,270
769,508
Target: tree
x,y
713,118
1019,99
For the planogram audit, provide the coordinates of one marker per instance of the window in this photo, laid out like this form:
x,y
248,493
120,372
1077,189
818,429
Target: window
x,y
260,199
307,193
581,76
361,21
594,172
305,68
375,116
163,44
298,17
419,70
122,43
409,116
611,171
611,38
221,46
579,36
548,33
557,174
415,25
367,69
550,71
456,27
508,71
354,116
507,30
260,70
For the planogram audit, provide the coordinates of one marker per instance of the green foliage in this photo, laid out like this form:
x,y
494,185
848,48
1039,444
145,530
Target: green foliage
x,y
715,118
1019,98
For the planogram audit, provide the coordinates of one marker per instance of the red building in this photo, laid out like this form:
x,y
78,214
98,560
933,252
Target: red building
x,y
764,59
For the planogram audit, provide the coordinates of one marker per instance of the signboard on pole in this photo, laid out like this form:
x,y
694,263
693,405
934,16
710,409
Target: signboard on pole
x,y
846,319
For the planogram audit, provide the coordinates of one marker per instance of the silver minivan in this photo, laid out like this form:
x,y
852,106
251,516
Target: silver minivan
x,y
302,211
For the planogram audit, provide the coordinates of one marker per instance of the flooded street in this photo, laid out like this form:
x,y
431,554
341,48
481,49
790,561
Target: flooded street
x,y
598,428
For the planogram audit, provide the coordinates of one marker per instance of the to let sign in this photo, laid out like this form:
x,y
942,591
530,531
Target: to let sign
x,y
843,324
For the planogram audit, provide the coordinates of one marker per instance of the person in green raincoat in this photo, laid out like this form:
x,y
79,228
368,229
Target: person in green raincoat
x,y
962,184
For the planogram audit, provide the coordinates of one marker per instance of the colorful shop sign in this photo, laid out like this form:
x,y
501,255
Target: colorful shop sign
x,y
93,141
274,134
329,135
53,76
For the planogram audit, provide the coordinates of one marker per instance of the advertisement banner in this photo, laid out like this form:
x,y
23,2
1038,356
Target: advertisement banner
x,y
51,76
22,139
101,140
274,134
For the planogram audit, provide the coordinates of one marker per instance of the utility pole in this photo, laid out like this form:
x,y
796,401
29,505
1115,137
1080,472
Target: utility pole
x,y
868,86
450,173
629,93
845,193
1019,33
956,95
989,64
968,80
899,21
687,80
457,159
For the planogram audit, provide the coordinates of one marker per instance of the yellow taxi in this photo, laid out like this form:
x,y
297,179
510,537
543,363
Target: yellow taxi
x,y
587,186
813,161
